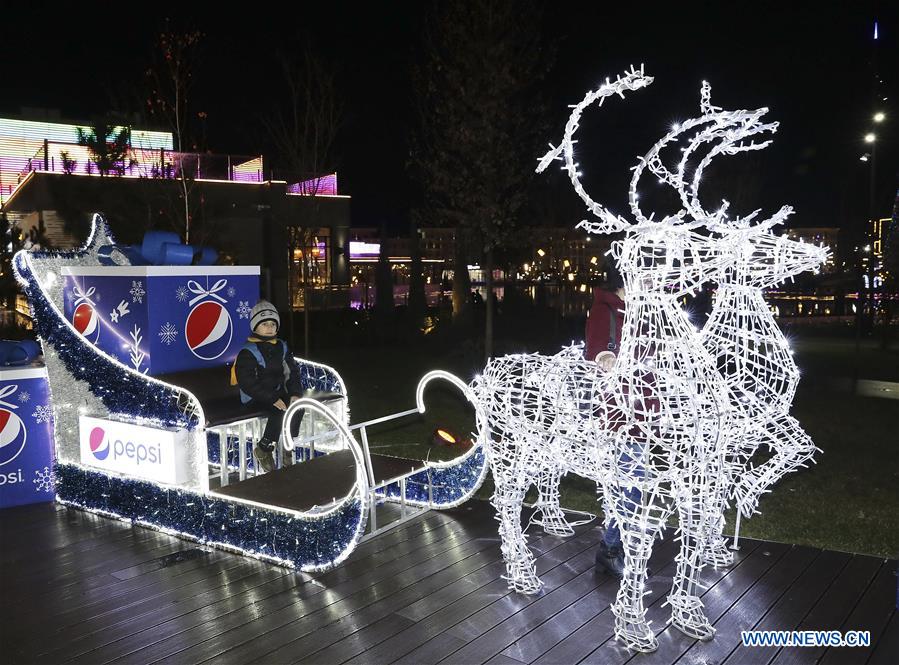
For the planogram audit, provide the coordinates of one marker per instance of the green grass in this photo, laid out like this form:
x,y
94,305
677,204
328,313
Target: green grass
x,y
849,501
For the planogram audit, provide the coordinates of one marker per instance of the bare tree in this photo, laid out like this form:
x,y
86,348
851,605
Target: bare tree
x,y
171,78
303,132
480,120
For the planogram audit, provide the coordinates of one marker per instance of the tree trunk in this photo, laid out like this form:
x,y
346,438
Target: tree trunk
x,y
417,301
488,327
307,242
461,283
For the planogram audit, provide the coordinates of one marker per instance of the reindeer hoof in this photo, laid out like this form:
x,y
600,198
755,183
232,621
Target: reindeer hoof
x,y
636,636
526,585
687,616
718,555
554,523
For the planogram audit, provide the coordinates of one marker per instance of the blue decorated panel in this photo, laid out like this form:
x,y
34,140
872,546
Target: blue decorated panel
x,y
26,437
158,319
111,313
200,320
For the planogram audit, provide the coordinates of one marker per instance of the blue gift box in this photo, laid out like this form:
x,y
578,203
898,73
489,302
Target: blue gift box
x,y
160,319
26,436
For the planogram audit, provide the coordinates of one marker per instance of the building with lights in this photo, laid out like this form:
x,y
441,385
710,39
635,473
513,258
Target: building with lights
x,y
50,182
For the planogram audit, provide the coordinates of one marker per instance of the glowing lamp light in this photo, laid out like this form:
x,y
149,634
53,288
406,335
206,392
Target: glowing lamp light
x,y
571,277
870,137
593,260
442,438
879,116
541,253
566,263
583,288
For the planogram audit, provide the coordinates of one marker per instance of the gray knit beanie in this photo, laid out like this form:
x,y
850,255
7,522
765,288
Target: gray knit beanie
x,y
264,311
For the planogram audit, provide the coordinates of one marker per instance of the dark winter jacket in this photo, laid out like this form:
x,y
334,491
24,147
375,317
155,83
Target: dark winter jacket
x,y
279,376
597,335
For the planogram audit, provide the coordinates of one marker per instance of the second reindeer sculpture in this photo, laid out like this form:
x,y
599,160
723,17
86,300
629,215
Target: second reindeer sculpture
x,y
661,422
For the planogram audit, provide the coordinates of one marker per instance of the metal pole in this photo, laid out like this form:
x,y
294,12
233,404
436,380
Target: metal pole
x,y
736,546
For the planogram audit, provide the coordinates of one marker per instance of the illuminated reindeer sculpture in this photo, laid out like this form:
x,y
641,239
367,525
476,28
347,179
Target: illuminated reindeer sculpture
x,y
742,335
658,422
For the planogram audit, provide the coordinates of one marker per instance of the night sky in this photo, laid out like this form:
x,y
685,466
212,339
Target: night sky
x,y
809,62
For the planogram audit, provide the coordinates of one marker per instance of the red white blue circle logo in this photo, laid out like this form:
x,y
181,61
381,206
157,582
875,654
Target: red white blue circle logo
x,y
99,443
208,330
87,322
12,436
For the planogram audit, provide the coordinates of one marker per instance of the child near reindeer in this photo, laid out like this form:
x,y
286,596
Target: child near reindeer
x,y
268,378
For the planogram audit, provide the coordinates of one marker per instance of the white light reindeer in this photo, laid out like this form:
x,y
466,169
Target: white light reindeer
x,y
660,417
742,335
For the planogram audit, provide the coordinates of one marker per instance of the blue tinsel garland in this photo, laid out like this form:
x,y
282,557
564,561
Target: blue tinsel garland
x,y
451,484
120,390
306,543
313,377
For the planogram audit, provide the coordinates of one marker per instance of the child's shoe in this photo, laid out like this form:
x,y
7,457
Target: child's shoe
x,y
262,453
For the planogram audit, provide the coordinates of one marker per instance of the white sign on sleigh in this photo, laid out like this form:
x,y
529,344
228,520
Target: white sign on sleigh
x,y
134,450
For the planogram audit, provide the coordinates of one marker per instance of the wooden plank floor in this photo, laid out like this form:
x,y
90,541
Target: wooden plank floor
x,y
83,589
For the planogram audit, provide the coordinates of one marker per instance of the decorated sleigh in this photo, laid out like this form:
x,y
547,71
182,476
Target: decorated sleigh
x,y
183,447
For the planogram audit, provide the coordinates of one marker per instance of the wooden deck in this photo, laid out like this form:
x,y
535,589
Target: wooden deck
x,y
81,588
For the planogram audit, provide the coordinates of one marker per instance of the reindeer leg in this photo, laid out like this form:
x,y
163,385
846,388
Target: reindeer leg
x,y
511,487
640,520
686,607
553,518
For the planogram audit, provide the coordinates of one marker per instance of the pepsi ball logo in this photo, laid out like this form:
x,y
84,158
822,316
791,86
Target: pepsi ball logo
x,y
86,321
12,436
208,330
99,443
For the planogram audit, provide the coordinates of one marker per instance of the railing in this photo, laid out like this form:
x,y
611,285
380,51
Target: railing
x,y
72,158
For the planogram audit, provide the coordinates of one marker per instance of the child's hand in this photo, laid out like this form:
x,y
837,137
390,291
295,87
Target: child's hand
x,y
280,405
605,361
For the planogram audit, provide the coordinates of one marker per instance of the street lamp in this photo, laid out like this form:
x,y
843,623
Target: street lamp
x,y
879,116
870,137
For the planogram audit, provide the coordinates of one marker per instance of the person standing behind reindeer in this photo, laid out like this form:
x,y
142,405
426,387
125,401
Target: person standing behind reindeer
x,y
268,378
602,336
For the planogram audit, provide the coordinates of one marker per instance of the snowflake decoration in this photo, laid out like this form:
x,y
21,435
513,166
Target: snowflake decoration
x,y
42,413
181,294
24,396
231,292
44,480
244,309
137,291
168,334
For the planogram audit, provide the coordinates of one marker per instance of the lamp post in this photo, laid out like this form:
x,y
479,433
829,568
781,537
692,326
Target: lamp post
x,y
867,286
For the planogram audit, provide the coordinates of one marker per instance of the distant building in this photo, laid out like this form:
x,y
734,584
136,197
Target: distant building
x,y
294,231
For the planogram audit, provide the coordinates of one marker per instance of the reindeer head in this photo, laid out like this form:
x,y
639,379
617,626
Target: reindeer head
x,y
759,258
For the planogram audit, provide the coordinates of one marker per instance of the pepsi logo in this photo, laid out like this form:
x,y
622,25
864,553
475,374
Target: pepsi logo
x,y
99,443
12,436
208,330
86,321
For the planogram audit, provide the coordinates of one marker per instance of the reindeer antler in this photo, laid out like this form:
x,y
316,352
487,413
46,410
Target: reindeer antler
x,y
609,222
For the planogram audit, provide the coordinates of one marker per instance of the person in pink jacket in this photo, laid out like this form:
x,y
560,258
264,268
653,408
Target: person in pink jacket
x,y
602,337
